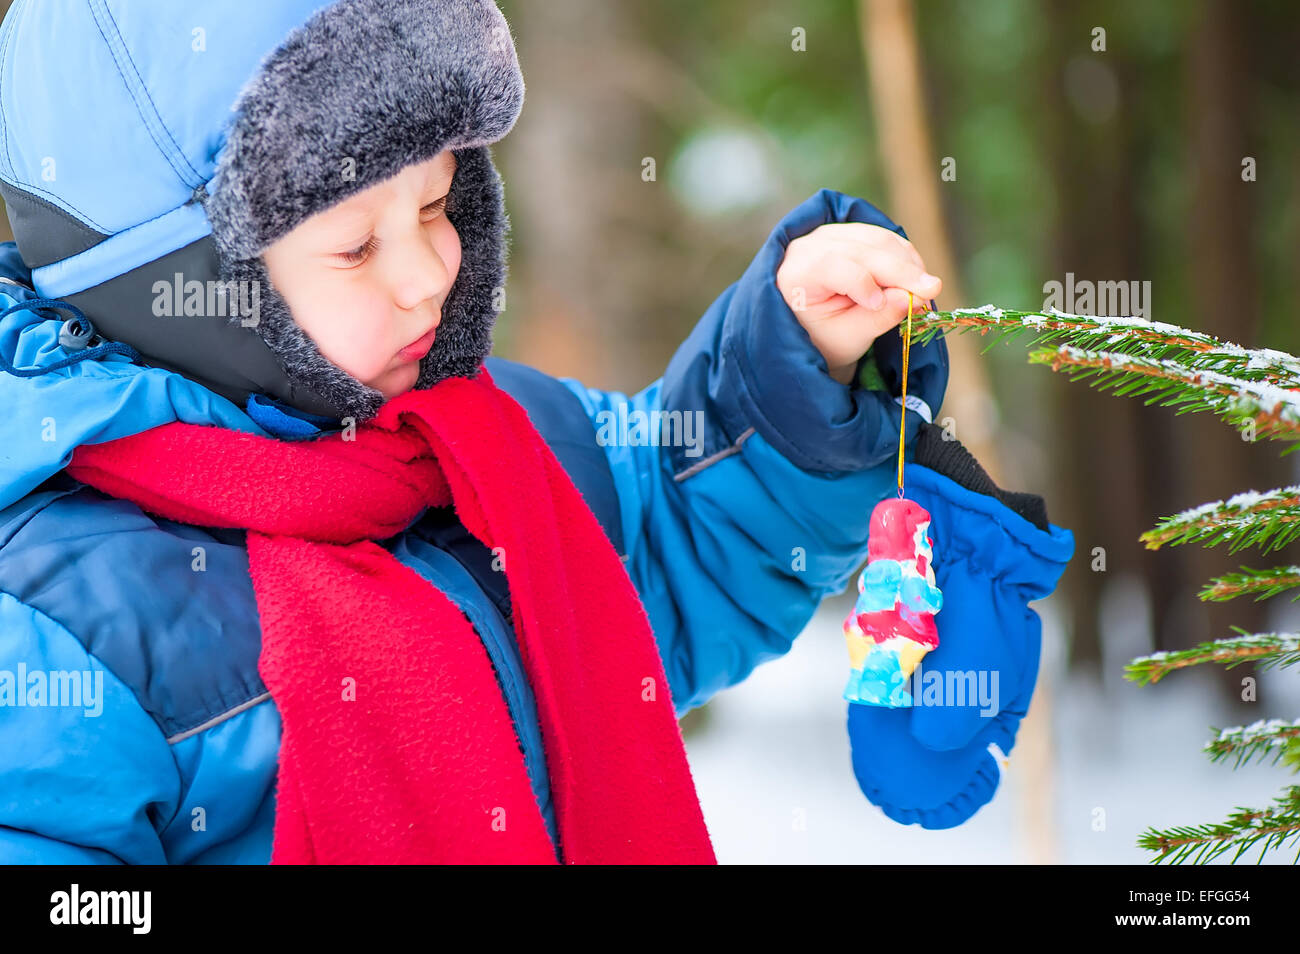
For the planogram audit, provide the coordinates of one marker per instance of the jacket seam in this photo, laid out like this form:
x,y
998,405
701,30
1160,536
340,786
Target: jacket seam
x,y
219,718
160,718
4,63
63,204
714,458
12,530
9,158
170,740
96,7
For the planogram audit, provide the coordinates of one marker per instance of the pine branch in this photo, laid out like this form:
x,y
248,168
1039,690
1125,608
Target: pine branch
x,y
1270,520
1276,737
1262,583
1130,335
1265,649
1274,410
1244,828
1180,365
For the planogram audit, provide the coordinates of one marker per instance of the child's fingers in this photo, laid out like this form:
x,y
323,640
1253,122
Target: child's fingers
x,y
846,275
887,241
889,270
828,273
908,249
896,304
912,254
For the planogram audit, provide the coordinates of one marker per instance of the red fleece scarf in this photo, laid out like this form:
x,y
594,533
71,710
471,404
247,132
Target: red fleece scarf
x,y
397,744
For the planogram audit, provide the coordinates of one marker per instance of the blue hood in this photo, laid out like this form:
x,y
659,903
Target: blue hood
x,y
96,130
96,125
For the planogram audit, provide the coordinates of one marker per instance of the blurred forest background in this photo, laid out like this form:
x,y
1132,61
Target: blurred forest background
x,y
1115,164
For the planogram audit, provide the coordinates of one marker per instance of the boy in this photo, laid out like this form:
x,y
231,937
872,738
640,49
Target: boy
x,y
241,633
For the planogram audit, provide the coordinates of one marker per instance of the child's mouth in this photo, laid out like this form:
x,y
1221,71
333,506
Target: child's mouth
x,y
418,349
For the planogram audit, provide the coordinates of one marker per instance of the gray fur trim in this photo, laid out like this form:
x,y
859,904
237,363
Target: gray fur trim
x,y
359,92
476,207
384,84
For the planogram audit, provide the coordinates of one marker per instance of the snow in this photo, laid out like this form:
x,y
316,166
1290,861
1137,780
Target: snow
x,y
1125,323
989,311
776,784
1284,368
1246,395
1284,642
1242,501
1256,731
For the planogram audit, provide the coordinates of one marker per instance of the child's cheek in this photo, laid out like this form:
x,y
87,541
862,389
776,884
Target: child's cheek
x,y
365,333
448,246
347,319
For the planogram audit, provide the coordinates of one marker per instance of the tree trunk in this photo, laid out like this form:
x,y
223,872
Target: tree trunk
x,y
893,59
1216,462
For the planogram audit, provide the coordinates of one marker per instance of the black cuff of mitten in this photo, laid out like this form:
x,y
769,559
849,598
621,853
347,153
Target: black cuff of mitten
x,y
950,458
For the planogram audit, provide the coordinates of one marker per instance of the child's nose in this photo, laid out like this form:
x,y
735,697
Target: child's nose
x,y
419,274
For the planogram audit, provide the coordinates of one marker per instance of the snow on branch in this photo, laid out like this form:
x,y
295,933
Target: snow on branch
x,y
1275,737
1263,649
1250,518
1140,356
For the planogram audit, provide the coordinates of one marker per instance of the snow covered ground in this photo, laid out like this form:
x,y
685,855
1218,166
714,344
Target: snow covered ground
x,y
774,777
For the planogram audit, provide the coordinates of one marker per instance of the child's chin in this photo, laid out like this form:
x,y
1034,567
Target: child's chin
x,y
399,382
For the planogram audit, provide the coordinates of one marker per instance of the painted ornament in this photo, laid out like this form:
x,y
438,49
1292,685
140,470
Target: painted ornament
x,y
892,624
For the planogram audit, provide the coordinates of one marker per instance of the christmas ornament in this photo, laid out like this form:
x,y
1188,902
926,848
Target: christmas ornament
x,y
892,624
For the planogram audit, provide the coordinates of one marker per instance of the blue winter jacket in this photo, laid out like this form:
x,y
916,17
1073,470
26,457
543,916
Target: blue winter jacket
x,y
731,539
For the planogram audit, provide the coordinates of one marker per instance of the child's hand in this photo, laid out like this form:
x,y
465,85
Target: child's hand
x,y
847,283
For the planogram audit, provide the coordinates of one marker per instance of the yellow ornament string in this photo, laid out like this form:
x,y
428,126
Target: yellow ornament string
x,y
902,419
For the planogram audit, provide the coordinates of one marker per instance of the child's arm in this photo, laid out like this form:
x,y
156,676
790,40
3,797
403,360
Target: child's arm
x,y
760,507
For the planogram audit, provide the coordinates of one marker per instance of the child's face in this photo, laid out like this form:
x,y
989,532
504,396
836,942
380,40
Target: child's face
x,y
367,277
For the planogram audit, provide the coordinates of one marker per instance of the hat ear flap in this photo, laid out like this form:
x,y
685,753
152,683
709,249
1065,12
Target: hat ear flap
x,y
316,384
476,208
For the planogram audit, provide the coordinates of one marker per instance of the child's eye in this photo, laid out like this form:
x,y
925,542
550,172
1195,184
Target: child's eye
x,y
361,252
433,208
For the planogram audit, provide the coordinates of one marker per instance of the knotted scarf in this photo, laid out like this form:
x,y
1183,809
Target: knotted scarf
x,y
397,744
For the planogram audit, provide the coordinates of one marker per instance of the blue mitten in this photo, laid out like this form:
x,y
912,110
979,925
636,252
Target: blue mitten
x,y
938,761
